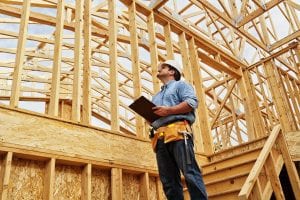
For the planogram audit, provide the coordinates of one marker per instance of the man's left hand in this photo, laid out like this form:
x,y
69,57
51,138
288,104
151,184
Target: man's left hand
x,y
162,110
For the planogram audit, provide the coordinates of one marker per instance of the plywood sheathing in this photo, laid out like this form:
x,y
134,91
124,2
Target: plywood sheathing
x,y
67,182
26,179
101,188
75,140
293,141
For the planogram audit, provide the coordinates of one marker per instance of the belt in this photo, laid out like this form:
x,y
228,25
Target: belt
x,y
164,129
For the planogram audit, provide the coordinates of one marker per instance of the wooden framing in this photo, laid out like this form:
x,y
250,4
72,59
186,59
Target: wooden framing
x,y
76,92
92,60
86,85
5,174
114,86
86,182
20,55
153,51
49,179
266,158
55,85
280,99
137,88
204,140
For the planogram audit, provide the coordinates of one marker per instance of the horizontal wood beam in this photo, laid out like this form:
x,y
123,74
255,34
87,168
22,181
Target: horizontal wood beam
x,y
156,4
285,40
57,138
274,55
259,11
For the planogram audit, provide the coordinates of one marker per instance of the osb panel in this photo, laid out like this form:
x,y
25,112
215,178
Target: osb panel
x,y
67,182
131,187
101,185
26,179
71,139
161,189
152,188
293,141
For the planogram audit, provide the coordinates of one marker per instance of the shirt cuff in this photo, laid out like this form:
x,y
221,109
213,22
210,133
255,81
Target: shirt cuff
x,y
192,103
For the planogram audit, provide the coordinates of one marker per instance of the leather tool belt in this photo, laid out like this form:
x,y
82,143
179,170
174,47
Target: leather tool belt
x,y
169,133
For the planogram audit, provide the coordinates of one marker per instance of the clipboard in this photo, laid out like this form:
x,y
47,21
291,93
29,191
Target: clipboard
x,y
143,107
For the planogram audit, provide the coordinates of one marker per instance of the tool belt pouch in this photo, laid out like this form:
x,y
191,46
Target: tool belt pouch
x,y
171,133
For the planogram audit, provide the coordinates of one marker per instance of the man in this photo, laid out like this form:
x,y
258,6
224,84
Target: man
x,y
173,142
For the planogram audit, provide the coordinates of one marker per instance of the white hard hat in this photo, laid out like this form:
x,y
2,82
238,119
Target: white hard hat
x,y
174,64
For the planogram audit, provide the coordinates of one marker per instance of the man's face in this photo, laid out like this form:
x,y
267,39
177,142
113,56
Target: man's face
x,y
163,71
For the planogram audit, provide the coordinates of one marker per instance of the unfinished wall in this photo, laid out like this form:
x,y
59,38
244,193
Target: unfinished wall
x,y
44,158
25,178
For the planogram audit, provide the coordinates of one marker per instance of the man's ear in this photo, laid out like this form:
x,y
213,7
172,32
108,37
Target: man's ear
x,y
172,71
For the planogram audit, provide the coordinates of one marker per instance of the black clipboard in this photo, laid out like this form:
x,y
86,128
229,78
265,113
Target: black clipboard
x,y
143,107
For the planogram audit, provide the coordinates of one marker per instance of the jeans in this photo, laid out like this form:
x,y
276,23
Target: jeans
x,y
171,159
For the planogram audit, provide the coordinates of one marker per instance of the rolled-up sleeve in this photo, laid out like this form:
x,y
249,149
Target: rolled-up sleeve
x,y
186,93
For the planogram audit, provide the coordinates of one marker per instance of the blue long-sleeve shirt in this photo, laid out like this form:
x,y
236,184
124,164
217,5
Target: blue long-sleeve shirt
x,y
172,94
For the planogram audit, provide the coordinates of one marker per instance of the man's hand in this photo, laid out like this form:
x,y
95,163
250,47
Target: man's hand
x,y
181,108
162,110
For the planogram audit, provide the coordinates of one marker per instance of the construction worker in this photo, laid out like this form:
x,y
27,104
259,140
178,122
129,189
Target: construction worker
x,y
173,140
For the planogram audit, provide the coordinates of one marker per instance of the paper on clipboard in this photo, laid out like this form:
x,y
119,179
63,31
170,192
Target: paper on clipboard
x,y
143,107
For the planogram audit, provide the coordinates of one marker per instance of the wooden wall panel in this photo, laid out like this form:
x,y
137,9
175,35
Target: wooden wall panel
x,y
293,142
67,182
101,188
5,174
26,179
152,188
72,139
131,186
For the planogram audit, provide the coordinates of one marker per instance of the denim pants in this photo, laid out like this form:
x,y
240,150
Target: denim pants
x,y
171,159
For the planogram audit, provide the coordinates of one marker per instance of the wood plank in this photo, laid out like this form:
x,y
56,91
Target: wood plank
x,y
153,52
86,183
257,193
293,142
279,98
186,65
290,166
76,91
232,183
116,184
293,99
75,140
5,175
86,85
137,86
20,59
227,163
55,85
258,12
229,90
159,190
156,4
274,179
144,187
168,41
49,179
113,64
204,140
251,179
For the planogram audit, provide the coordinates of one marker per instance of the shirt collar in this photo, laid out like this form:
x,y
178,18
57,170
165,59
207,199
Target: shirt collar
x,y
167,84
